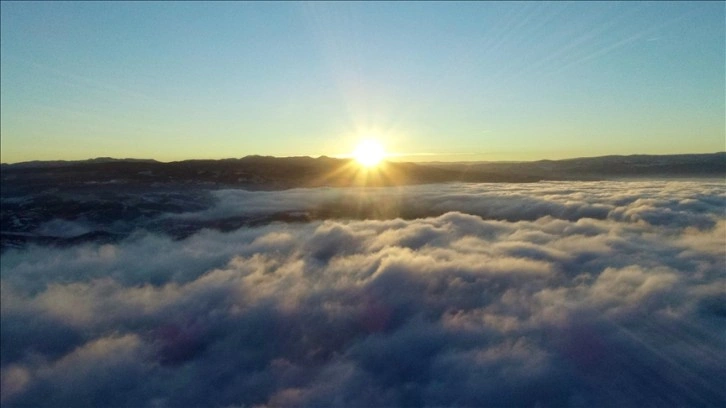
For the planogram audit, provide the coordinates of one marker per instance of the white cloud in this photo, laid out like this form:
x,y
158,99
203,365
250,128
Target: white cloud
x,y
512,295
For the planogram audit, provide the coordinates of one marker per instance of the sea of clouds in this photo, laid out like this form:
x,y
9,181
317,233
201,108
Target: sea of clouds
x,y
543,294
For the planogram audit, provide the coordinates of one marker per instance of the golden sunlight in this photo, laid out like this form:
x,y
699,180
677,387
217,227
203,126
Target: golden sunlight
x,y
369,153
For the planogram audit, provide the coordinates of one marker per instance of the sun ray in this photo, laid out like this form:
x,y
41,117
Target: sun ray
x,y
365,167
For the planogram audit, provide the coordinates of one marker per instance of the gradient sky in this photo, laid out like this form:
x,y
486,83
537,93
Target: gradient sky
x,y
433,81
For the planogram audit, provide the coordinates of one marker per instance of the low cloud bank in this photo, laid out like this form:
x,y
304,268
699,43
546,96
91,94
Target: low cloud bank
x,y
655,202
552,294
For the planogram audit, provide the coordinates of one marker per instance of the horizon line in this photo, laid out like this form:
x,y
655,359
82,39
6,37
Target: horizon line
x,y
349,157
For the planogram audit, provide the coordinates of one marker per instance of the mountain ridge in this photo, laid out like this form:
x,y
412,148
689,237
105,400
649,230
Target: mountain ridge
x,y
107,159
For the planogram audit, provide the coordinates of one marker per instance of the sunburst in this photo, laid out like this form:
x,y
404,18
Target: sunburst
x,y
369,153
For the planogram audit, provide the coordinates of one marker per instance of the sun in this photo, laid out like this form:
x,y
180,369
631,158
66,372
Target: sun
x,y
369,153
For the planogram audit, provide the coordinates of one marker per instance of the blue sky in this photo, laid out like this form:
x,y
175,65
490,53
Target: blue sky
x,y
431,80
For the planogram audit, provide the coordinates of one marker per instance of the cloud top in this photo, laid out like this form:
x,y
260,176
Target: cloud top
x,y
553,294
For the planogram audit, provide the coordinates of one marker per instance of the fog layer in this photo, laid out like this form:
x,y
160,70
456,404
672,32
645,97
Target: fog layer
x,y
549,294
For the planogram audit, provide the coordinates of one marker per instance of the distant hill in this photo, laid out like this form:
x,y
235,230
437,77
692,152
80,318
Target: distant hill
x,y
270,173
62,163
251,172
604,167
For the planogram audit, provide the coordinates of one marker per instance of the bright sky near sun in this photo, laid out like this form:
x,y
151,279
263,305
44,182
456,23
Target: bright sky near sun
x,y
430,80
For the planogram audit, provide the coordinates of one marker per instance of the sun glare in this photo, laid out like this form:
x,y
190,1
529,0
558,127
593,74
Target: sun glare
x,y
369,153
